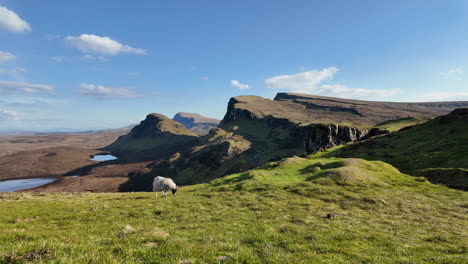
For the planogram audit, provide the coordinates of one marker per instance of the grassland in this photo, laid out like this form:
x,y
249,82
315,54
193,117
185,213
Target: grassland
x,y
397,124
273,214
436,149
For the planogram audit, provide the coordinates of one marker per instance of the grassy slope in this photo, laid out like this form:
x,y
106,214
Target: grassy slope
x,y
397,124
430,149
274,214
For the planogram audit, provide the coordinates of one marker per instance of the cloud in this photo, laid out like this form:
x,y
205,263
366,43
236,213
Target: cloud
x,y
87,43
52,37
57,59
6,115
102,92
13,71
10,21
9,87
239,85
310,82
204,78
91,57
301,82
6,56
444,96
454,73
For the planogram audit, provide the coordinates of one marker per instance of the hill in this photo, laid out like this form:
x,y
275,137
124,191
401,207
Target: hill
x,y
155,137
296,211
257,130
196,123
436,149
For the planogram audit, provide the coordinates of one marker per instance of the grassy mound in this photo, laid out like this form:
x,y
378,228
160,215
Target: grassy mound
x,y
437,144
274,214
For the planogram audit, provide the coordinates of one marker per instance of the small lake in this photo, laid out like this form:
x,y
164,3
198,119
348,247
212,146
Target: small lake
x,y
16,185
103,157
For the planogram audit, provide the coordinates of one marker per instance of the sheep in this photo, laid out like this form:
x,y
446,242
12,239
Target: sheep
x,y
162,184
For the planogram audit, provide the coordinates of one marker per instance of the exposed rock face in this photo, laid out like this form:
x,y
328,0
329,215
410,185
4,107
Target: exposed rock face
x,y
324,136
196,123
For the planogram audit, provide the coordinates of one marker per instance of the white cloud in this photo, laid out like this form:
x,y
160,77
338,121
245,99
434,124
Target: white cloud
x,y
91,57
88,43
10,21
13,71
6,115
304,82
102,92
310,82
239,85
444,96
9,87
6,56
454,73
52,37
57,59
204,78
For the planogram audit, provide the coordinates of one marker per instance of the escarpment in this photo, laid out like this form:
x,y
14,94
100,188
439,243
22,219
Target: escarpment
x,y
325,136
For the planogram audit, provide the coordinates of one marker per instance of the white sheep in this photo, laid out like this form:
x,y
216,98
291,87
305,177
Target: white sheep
x,y
162,184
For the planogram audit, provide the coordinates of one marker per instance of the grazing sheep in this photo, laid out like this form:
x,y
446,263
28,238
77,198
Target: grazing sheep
x,y
161,184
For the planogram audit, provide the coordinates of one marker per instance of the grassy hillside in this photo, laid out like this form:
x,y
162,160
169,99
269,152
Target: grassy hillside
x,y
397,124
274,214
436,149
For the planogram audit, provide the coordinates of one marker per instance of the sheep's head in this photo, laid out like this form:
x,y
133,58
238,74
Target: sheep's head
x,y
174,190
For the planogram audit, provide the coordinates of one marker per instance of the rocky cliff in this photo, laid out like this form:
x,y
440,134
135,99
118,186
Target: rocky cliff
x,y
324,136
196,123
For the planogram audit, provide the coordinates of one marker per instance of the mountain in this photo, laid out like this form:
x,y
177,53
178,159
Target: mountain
x,y
154,138
257,130
196,123
436,149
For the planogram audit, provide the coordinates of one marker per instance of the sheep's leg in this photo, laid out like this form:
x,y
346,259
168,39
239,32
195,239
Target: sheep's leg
x,y
156,194
164,193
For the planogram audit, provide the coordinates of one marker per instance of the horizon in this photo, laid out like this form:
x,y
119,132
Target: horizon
x,y
95,64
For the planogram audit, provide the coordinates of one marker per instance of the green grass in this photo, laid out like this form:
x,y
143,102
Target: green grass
x,y
397,124
273,214
438,144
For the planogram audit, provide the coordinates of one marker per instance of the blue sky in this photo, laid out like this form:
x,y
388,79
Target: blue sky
x,y
105,64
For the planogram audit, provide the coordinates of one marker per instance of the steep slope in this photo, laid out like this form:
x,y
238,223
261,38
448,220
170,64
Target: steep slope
x,y
196,123
155,137
437,149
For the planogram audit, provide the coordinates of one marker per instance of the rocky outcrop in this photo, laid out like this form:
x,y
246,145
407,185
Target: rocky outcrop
x,y
196,123
324,136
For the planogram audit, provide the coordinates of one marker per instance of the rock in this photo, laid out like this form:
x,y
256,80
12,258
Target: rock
x,y
196,123
222,258
324,136
330,216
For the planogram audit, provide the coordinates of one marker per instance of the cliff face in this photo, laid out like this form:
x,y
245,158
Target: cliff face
x,y
196,123
324,136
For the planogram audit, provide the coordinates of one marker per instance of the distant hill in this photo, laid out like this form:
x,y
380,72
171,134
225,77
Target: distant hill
x,y
155,137
196,123
437,149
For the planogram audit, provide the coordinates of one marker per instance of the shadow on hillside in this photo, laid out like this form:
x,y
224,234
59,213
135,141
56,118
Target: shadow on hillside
x,y
242,177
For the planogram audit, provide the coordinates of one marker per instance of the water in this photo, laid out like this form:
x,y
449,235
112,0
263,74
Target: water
x,y
103,157
16,185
